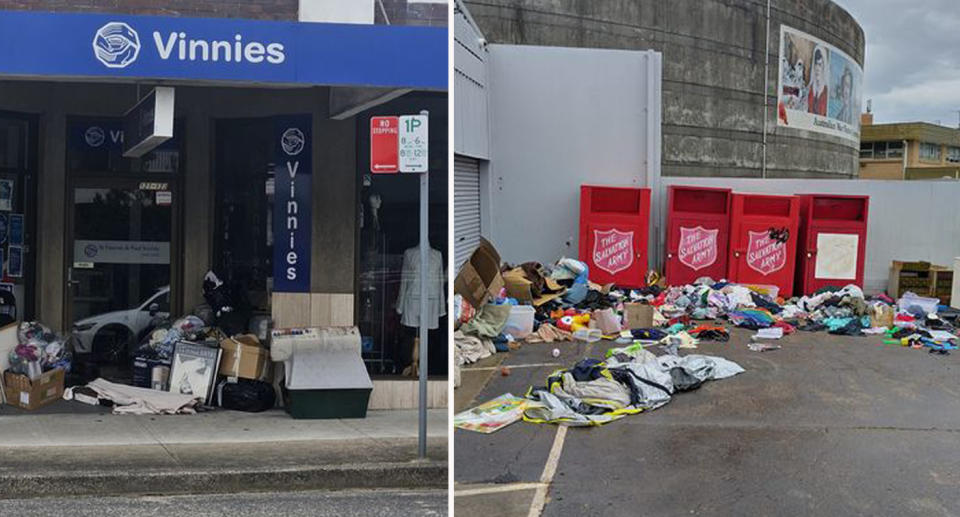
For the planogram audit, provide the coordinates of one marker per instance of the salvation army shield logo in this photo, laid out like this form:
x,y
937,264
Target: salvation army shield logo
x,y
765,254
698,247
612,250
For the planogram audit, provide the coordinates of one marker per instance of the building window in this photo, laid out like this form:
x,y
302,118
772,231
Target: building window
x,y
953,154
930,152
389,265
18,196
894,150
243,185
881,150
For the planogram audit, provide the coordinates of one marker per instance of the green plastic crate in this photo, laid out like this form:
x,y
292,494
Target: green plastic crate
x,y
333,403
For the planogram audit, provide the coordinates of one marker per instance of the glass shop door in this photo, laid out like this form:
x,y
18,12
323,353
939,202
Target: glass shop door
x,y
120,243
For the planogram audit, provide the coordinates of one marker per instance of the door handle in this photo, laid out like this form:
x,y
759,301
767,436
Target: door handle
x,y
70,280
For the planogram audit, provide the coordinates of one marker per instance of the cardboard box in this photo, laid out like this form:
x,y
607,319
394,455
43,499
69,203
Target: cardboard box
x,y
243,357
638,316
479,279
29,394
520,288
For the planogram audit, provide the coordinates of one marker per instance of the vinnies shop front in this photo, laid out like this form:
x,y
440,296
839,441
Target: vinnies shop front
x,y
167,179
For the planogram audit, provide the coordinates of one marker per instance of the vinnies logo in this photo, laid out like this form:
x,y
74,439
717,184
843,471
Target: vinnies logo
x,y
292,141
116,45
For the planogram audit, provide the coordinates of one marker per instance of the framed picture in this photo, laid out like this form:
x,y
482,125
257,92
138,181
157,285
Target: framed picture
x,y
6,195
194,370
16,229
15,261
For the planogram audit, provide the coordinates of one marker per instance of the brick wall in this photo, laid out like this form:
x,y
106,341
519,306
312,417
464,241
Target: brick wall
x,y
252,9
399,12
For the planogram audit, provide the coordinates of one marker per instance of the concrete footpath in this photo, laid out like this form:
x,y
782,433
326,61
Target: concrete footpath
x,y
215,452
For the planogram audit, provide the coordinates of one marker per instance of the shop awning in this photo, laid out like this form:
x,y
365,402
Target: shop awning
x,y
131,48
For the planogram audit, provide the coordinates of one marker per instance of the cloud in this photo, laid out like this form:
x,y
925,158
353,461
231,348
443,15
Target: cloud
x,y
912,66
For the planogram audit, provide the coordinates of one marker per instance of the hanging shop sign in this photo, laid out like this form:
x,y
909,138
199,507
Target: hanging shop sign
x,y
149,123
292,222
209,49
384,145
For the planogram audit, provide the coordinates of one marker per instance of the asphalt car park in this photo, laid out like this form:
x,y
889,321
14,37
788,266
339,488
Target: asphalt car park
x,y
827,425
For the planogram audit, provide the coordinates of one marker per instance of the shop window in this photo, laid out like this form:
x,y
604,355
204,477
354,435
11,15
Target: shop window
x,y
866,150
18,151
930,152
243,182
95,145
389,236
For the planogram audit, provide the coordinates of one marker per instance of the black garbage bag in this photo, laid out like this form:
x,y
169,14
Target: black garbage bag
x,y
245,395
683,380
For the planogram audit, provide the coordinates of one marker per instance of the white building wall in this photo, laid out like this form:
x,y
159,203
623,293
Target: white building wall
x,y
471,128
560,118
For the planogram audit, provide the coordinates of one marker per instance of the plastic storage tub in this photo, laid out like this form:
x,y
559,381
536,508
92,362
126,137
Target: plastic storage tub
x,y
520,323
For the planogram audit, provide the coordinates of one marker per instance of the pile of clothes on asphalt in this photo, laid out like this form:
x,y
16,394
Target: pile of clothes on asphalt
x,y
594,392
629,381
569,307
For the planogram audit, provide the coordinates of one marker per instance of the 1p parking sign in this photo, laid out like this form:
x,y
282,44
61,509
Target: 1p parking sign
x,y
414,141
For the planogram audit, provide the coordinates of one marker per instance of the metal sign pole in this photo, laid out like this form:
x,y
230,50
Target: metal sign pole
x,y
424,272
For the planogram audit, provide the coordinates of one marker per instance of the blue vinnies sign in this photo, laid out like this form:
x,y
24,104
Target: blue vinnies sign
x,y
209,49
292,200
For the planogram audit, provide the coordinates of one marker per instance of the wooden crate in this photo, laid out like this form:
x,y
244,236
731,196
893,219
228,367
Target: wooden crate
x,y
909,276
922,278
941,283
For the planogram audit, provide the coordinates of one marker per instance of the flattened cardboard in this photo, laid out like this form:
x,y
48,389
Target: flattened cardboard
x,y
479,279
638,315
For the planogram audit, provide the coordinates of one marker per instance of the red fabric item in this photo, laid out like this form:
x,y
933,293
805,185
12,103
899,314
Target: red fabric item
x,y
659,300
704,328
787,328
818,104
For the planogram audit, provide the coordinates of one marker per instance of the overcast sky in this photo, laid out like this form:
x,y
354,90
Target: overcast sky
x,y
912,68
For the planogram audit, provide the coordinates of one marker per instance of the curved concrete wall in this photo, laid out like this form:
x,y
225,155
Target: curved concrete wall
x,y
713,63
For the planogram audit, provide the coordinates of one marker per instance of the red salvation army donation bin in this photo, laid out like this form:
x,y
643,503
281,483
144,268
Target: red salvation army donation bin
x,y
614,223
698,233
833,241
763,240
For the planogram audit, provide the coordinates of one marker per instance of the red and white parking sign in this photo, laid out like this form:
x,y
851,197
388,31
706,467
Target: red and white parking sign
x,y
384,145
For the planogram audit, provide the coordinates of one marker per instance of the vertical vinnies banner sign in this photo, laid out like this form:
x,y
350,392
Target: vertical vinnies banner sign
x,y
292,222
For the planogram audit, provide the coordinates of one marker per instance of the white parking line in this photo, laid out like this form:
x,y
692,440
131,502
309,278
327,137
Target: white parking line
x,y
511,366
540,498
512,487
